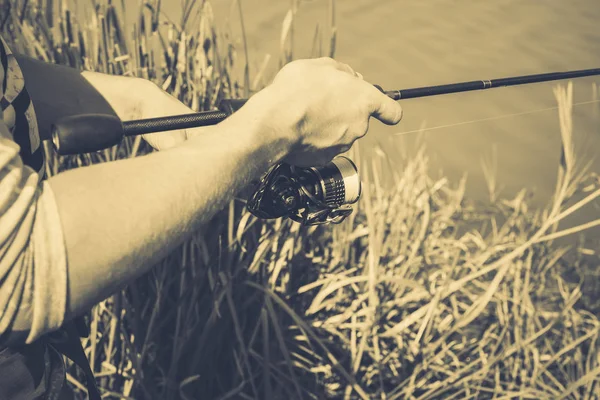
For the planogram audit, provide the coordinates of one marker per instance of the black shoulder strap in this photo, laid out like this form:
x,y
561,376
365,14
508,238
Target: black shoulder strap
x,y
72,348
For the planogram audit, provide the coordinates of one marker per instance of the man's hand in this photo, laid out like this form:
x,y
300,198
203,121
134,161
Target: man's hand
x,y
322,106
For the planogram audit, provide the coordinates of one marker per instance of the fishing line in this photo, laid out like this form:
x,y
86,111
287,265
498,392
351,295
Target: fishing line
x,y
492,118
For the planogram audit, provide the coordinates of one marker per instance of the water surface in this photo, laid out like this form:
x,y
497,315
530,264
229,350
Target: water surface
x,y
403,44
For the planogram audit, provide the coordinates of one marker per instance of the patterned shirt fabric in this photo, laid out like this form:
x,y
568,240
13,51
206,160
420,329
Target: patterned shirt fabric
x,y
33,264
33,274
17,111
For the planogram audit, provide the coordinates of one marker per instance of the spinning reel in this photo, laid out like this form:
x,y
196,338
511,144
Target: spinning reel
x,y
311,196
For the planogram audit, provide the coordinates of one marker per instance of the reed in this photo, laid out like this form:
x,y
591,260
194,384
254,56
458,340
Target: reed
x,y
421,294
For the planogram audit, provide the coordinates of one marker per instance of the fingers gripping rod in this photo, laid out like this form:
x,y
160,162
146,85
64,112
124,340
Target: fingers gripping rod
x,y
92,132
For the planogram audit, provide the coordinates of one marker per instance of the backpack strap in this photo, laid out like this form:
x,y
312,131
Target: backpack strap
x,y
72,348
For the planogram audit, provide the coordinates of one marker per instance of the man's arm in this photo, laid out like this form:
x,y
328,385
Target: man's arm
x,y
33,267
118,219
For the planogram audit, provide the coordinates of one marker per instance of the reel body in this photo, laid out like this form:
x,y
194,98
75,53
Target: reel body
x,y
311,196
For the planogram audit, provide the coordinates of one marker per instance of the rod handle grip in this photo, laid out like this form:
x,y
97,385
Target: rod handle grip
x,y
86,133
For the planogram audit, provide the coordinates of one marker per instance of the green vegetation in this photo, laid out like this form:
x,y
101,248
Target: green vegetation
x,y
421,294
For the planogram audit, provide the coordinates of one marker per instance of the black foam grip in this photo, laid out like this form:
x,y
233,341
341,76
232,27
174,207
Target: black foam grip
x,y
86,133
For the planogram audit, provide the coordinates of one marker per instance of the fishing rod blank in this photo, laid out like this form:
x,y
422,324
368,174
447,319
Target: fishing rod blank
x,y
92,132
487,84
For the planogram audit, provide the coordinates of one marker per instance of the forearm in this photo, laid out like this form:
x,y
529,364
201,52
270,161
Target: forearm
x,y
120,218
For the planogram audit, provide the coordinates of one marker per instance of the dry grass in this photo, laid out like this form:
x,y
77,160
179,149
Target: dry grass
x,y
421,294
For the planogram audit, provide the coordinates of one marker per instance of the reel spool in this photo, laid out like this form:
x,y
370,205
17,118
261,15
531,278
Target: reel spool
x,y
311,196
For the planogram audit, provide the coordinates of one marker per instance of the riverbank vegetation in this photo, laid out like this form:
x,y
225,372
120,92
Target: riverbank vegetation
x,y
421,294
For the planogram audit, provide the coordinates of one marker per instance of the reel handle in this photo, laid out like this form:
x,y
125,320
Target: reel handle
x,y
87,133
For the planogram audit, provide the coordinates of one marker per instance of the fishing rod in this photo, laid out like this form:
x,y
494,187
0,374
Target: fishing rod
x,y
488,84
92,132
312,196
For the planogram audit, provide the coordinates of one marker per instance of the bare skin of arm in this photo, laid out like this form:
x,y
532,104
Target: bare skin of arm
x,y
120,218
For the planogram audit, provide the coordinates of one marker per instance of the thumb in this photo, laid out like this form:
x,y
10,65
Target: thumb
x,y
384,108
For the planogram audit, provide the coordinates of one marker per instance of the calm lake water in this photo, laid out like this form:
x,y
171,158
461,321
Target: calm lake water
x,y
403,44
